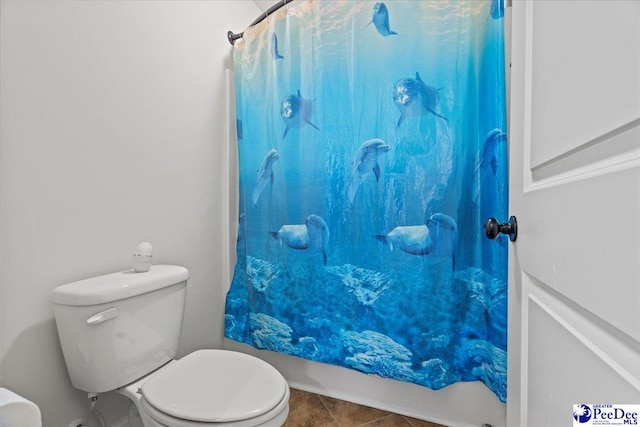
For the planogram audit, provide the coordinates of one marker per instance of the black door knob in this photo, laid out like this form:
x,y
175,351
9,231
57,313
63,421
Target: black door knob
x,y
492,228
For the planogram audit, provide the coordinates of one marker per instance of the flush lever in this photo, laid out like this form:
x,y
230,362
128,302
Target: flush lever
x,y
103,316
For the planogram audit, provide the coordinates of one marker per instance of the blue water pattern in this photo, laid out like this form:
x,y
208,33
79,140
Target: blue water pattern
x,y
371,148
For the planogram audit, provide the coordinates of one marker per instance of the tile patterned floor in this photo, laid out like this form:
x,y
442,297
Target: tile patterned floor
x,y
313,410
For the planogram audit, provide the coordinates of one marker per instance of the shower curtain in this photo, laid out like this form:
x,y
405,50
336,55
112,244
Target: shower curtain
x,y
372,146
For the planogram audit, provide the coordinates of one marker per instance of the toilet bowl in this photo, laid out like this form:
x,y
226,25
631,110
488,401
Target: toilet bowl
x,y
120,332
211,388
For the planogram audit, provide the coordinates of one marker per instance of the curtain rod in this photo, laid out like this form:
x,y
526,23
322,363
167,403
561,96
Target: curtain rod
x,y
233,37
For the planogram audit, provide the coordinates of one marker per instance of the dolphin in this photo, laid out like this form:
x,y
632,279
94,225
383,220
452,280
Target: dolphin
x,y
365,162
274,47
381,20
413,98
296,112
412,239
265,175
438,236
444,234
487,155
313,235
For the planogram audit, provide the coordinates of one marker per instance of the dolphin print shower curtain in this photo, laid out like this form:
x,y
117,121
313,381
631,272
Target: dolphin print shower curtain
x,y
372,146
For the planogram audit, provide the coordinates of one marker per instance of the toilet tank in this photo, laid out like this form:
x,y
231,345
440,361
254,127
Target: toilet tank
x,y
116,328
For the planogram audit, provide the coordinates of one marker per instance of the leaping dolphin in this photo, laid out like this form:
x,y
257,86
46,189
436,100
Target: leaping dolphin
x,y
313,235
414,98
487,154
296,112
438,236
274,47
366,161
265,175
381,20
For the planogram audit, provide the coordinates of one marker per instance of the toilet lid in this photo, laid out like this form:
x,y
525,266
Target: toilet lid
x,y
215,386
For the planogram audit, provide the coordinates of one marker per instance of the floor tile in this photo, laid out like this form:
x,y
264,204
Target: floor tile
x,y
393,420
313,410
349,414
306,410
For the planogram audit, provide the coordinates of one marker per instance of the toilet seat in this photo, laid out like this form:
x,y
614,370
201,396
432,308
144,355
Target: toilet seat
x,y
215,387
276,417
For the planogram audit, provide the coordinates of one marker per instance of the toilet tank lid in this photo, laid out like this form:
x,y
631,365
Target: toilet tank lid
x,y
117,286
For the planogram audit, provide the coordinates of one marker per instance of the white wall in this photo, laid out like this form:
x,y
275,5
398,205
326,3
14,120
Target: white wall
x,y
113,123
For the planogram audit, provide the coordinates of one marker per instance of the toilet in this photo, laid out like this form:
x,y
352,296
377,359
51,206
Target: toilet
x,y
120,332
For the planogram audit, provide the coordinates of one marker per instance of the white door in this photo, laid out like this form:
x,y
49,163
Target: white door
x,y
574,321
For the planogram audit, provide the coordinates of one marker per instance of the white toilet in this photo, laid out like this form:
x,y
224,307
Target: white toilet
x,y
120,332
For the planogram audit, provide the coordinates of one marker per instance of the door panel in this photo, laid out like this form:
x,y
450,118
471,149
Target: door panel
x,y
570,356
582,246
579,53
574,293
